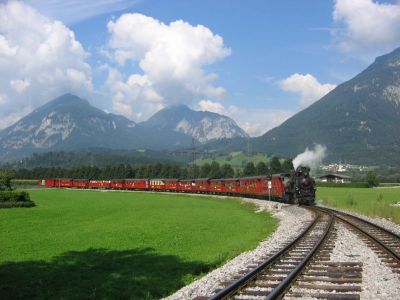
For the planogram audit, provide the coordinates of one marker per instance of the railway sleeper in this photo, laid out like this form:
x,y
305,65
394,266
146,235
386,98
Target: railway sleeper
x,y
334,274
331,280
331,288
346,269
325,296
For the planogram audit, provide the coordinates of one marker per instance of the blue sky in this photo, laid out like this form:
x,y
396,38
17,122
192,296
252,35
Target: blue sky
x,y
257,61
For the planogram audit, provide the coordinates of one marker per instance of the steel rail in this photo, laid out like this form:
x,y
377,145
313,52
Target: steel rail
x,y
368,235
234,287
362,220
279,290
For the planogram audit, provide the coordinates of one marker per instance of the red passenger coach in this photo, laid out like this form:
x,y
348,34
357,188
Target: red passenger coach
x,y
201,185
157,184
255,185
171,184
137,184
277,186
232,185
118,184
63,182
80,183
186,185
100,184
217,186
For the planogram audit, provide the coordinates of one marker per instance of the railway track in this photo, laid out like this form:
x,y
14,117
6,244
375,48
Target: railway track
x,y
384,242
272,277
304,267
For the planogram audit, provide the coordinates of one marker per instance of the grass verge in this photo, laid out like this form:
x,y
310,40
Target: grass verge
x,y
112,245
371,202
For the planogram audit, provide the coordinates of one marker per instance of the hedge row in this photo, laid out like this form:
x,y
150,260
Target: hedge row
x,y
10,204
23,182
343,185
15,199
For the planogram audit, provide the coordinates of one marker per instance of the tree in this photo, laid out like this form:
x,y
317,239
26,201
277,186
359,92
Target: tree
x,y
166,171
261,168
249,169
5,180
215,170
142,172
371,179
205,170
195,170
156,170
287,166
275,165
227,171
184,173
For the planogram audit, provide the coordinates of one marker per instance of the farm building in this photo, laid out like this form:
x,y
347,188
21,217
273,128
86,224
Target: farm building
x,y
337,178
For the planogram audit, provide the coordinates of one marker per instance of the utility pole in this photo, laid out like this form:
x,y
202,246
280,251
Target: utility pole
x,y
248,149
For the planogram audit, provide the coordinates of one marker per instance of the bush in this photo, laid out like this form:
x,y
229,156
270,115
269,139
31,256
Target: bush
x,y
5,181
371,179
15,199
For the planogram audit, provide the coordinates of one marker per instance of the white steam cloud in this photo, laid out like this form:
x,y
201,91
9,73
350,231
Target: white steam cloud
x,y
310,158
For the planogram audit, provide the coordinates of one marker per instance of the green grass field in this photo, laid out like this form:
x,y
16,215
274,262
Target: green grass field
x,y
116,245
371,202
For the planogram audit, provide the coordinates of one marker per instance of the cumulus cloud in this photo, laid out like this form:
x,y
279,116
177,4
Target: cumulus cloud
x,y
39,59
208,105
172,59
307,87
365,27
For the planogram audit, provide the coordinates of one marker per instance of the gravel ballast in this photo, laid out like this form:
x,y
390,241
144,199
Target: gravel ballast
x,y
387,224
378,280
293,220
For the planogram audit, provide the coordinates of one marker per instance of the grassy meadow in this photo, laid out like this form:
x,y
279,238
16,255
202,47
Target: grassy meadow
x,y
371,202
119,245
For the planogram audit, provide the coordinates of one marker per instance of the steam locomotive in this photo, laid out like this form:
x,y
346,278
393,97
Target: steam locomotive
x,y
296,187
302,187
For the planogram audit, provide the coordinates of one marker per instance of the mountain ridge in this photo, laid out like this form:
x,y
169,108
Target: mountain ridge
x,y
204,126
358,121
70,123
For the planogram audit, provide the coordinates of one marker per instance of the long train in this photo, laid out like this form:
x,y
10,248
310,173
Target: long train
x,y
295,187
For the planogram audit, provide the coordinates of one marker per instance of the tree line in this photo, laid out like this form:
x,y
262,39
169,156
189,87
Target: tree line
x,y
157,170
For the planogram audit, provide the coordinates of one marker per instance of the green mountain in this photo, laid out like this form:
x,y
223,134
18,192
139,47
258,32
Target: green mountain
x,y
358,121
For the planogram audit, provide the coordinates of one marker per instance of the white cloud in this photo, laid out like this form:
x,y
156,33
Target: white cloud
x,y
254,121
368,28
39,60
258,121
172,59
20,85
73,11
208,105
307,87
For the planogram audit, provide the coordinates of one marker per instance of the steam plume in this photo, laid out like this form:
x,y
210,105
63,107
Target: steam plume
x,y
310,158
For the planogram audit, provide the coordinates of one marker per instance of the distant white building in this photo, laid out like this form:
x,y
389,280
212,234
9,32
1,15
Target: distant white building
x,y
336,178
